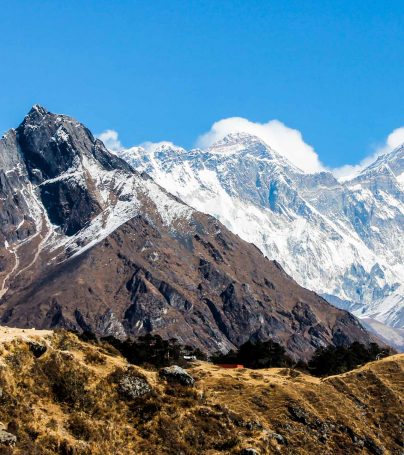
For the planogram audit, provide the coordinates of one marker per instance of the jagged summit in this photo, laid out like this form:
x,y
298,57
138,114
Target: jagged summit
x,y
38,110
237,138
234,143
159,148
63,160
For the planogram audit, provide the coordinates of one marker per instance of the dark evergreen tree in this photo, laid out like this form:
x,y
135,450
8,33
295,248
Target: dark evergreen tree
x,y
336,360
154,350
259,354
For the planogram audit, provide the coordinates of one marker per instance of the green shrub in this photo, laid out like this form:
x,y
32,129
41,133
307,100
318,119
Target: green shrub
x,y
153,350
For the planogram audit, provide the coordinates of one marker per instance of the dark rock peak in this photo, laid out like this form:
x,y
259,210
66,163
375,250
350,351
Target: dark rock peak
x,y
51,142
37,110
52,145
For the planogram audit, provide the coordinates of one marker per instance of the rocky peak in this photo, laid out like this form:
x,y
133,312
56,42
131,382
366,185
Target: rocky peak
x,y
49,144
62,158
37,111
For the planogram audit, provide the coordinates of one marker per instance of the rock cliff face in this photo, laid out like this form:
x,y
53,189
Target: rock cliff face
x,y
87,243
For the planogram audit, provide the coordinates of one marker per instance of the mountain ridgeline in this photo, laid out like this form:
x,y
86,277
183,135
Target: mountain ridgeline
x,y
341,239
87,243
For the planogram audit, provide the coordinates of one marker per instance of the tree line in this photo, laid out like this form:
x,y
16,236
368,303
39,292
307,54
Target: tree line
x,y
154,351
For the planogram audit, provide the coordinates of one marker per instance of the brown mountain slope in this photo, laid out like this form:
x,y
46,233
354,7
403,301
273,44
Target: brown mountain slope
x,y
89,244
71,400
183,290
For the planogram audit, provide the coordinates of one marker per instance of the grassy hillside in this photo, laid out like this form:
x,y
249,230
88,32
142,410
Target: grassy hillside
x,y
74,400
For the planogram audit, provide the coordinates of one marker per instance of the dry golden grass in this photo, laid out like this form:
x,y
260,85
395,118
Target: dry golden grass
x,y
67,402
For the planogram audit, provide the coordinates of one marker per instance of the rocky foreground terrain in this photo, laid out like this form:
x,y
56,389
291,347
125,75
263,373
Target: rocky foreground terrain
x,y
60,395
89,244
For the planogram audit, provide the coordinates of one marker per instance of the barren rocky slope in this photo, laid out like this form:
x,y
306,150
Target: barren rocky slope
x,y
80,398
87,243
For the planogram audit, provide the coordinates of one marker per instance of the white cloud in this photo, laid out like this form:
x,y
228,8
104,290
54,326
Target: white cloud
x,y
286,141
348,171
111,140
395,139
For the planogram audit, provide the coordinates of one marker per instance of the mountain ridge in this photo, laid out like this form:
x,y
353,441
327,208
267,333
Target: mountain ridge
x,y
101,247
341,239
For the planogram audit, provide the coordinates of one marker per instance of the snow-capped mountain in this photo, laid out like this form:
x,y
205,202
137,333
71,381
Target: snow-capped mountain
x,y
88,243
342,239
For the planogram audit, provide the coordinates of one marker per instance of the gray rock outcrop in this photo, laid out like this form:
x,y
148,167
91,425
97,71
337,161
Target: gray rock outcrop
x,y
177,375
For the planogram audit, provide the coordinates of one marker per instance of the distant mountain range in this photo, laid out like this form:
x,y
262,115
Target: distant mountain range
x,y
344,240
88,243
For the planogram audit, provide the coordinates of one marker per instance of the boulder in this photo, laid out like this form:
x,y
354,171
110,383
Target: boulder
x,y
253,425
132,386
373,447
177,375
298,414
6,438
278,438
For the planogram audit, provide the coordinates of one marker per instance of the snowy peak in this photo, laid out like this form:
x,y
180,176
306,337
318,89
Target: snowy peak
x,y
238,145
341,239
234,142
157,148
394,161
165,147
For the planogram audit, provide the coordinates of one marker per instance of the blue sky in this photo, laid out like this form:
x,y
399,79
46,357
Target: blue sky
x,y
167,70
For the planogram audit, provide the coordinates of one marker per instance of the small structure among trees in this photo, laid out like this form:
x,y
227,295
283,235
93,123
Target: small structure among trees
x,y
259,354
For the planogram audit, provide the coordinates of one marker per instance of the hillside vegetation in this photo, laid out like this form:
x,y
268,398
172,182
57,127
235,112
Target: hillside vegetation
x,y
61,395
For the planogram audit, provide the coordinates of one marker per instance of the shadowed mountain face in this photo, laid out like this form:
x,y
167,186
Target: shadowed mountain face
x,y
87,243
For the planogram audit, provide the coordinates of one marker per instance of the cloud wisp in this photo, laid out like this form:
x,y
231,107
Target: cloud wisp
x,y
111,140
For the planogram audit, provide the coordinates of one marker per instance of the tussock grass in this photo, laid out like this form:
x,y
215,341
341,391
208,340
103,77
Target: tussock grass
x,y
67,402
